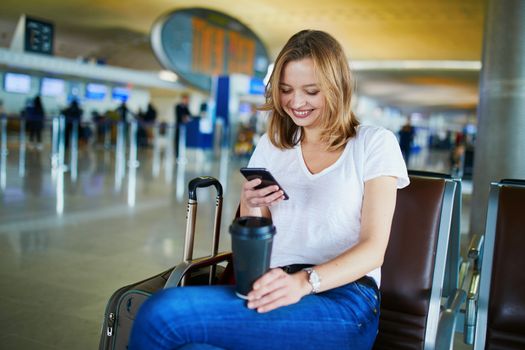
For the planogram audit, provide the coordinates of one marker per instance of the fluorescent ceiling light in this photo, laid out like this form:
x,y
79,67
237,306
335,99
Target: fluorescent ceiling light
x,y
404,65
167,75
415,65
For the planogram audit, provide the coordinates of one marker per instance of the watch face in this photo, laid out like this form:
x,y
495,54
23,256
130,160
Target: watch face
x,y
315,277
314,280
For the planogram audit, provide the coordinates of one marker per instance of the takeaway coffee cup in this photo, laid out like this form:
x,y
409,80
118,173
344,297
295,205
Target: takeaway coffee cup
x,y
252,239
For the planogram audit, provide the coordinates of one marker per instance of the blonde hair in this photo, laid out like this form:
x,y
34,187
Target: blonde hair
x,y
338,122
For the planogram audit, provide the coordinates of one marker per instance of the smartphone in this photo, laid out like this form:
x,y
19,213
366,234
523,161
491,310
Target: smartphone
x,y
263,174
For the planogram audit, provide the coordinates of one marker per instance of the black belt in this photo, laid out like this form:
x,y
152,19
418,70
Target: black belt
x,y
368,281
365,280
295,268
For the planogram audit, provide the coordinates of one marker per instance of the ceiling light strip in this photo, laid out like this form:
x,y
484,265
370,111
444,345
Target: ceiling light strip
x,y
415,65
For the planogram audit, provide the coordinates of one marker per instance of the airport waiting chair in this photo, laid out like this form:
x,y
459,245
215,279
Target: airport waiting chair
x,y
455,268
413,272
495,308
414,268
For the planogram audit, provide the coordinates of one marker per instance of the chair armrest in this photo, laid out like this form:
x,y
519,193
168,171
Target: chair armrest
x,y
180,271
447,321
471,309
475,255
463,272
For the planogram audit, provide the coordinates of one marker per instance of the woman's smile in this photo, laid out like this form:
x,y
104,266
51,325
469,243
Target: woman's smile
x,y
302,113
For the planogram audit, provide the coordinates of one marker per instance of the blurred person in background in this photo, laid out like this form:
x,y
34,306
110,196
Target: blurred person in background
x,y
73,114
123,112
146,121
182,117
150,116
406,138
35,115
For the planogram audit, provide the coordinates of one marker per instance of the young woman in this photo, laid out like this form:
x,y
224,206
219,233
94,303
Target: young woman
x,y
342,180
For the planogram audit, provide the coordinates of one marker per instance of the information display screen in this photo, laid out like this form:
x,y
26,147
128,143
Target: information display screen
x,y
52,87
96,91
17,83
38,36
198,44
120,93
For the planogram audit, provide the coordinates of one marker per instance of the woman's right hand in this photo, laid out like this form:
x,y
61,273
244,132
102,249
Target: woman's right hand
x,y
252,198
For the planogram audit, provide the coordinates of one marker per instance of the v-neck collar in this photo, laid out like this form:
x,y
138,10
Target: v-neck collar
x,y
328,169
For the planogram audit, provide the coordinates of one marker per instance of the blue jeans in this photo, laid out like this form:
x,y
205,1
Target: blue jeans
x,y
212,317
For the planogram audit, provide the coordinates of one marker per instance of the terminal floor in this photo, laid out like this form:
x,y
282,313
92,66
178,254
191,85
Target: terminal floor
x,y
59,263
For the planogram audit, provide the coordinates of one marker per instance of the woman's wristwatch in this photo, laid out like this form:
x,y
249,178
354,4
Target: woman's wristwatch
x,y
313,279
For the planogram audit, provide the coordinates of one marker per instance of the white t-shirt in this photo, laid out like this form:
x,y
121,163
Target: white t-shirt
x,y
322,218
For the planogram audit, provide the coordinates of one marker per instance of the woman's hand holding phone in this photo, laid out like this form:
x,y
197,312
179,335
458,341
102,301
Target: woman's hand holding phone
x,y
259,192
263,197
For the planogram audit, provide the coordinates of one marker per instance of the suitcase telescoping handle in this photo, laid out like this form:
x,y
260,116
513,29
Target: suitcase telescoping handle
x,y
191,215
203,181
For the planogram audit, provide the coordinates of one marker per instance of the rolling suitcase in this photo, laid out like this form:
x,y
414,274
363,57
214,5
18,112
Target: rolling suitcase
x,y
125,302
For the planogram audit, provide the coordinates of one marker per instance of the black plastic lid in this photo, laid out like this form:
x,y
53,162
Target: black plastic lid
x,y
253,227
